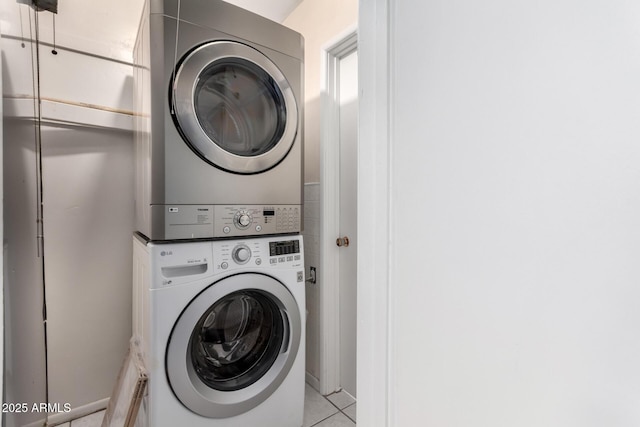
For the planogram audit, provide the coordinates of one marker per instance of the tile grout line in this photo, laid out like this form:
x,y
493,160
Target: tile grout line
x,y
333,415
326,418
339,411
345,414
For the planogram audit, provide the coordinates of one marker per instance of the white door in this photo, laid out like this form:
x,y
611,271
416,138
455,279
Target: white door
x,y
348,102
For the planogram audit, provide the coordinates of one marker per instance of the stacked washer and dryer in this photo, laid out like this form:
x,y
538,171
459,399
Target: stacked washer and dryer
x,y
219,297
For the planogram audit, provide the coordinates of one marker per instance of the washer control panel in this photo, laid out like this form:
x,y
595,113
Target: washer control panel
x,y
284,251
270,252
241,254
285,247
255,220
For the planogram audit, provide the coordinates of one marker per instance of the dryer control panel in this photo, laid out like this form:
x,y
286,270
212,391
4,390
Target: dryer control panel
x,y
256,220
218,221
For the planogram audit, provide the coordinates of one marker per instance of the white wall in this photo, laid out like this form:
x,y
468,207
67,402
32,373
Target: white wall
x,y
88,228
319,21
515,213
88,221
1,240
104,30
311,235
25,378
276,10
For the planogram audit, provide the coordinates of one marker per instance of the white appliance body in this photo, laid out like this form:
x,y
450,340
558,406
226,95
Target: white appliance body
x,y
218,97
222,331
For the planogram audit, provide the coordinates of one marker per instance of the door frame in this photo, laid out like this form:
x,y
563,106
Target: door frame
x,y
376,246
344,44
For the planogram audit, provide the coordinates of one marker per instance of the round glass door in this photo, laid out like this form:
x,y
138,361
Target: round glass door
x,y
233,345
234,107
237,340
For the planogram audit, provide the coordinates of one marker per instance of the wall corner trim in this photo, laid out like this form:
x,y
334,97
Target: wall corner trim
x,y
375,317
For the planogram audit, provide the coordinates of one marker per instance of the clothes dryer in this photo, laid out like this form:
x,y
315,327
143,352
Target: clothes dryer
x,y
222,329
218,103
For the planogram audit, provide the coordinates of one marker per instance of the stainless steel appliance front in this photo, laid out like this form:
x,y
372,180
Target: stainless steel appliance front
x,y
218,100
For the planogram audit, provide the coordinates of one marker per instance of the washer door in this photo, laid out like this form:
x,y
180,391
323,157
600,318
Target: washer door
x,y
234,107
233,345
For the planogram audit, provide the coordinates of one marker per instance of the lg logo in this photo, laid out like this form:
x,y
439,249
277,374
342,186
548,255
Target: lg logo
x,y
165,253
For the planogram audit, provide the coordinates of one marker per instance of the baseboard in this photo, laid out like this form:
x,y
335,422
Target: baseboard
x,y
312,381
36,424
78,412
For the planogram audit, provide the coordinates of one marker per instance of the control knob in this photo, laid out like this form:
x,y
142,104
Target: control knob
x,y
242,220
241,254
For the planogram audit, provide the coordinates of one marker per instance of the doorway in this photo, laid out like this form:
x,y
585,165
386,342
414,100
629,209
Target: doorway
x,y
339,145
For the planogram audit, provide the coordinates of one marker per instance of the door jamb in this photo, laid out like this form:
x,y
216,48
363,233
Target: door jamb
x,y
341,46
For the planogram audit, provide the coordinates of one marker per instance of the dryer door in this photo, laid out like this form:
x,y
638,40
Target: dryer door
x,y
233,345
234,107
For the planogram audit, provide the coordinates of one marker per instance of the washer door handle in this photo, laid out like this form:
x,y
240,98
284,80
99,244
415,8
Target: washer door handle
x,y
342,241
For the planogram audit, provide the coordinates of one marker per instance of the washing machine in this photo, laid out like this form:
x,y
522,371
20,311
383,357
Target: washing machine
x,y
218,122
222,330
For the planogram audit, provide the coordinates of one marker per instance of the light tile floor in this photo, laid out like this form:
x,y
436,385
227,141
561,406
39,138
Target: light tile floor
x,y
335,410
